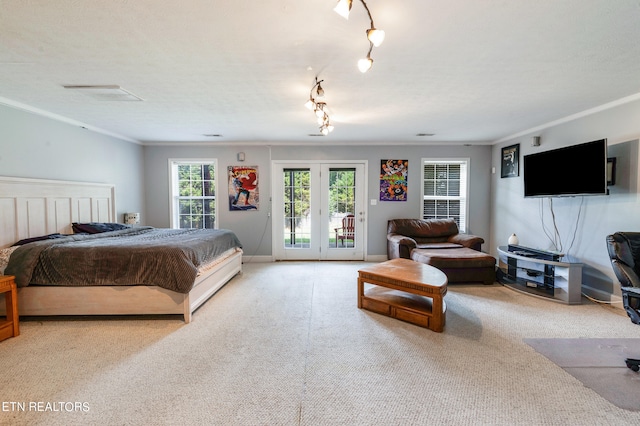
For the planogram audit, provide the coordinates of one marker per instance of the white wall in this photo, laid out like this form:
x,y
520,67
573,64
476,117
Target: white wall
x,y
599,215
254,227
34,146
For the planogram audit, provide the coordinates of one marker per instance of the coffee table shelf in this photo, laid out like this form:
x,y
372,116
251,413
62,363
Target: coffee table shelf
x,y
406,290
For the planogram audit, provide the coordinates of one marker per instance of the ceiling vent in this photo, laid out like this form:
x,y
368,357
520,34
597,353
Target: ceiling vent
x,y
105,93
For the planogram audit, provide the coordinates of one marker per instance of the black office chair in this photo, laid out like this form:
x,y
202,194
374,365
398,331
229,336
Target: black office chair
x,y
624,252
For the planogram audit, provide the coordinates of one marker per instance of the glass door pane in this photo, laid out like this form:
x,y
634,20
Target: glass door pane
x,y
342,207
343,218
297,208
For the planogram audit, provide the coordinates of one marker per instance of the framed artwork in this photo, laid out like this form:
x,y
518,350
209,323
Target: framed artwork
x,y
243,188
510,161
393,180
611,171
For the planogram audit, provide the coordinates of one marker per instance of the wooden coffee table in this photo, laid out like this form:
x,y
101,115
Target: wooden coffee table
x,y
9,327
406,290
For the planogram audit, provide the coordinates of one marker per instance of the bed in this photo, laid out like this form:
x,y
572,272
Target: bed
x,y
36,208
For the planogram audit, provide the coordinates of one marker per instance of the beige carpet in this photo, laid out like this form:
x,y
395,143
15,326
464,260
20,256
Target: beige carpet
x,y
284,344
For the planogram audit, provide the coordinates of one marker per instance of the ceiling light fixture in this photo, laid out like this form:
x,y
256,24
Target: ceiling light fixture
x,y
343,8
365,64
374,35
319,107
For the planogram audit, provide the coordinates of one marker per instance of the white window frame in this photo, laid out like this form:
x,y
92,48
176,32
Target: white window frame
x,y
174,194
464,188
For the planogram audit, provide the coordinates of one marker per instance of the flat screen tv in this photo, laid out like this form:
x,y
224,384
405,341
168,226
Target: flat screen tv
x,y
569,171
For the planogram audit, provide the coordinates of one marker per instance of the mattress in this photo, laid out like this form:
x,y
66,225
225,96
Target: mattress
x,y
168,258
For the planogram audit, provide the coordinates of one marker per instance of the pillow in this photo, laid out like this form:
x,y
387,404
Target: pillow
x,y
5,253
96,227
41,238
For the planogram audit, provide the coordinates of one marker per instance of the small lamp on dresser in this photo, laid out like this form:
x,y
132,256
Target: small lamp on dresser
x,y
132,218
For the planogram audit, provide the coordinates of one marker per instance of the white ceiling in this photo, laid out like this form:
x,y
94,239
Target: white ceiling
x,y
469,71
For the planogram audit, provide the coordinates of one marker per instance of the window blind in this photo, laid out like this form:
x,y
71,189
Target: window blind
x,y
445,191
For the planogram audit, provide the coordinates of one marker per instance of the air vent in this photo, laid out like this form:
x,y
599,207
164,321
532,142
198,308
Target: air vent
x,y
105,92
212,135
425,134
315,134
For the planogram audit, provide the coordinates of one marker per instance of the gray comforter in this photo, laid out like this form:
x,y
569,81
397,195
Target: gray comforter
x,y
166,258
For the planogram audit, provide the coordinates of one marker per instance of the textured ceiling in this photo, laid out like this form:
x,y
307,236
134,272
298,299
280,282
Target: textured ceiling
x,y
469,71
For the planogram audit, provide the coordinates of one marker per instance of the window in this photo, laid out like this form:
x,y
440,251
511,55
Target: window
x,y
193,194
445,190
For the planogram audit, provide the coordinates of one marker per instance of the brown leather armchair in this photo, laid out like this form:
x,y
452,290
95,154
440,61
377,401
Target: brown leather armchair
x,y
404,235
438,242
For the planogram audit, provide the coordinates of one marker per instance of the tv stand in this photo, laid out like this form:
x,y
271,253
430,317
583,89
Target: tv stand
x,y
541,273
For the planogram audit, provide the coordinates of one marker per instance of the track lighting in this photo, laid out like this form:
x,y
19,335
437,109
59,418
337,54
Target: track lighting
x,y
310,104
319,107
374,35
365,64
343,8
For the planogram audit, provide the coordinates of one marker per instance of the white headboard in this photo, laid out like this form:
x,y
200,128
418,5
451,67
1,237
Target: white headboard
x,y
34,207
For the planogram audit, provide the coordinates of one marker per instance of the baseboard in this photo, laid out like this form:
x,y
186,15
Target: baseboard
x,y
268,259
377,258
598,295
257,259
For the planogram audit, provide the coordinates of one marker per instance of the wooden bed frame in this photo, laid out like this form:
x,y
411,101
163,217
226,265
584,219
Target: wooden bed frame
x,y
34,207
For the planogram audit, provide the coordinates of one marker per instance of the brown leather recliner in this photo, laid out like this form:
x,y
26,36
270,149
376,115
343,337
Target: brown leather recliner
x,y
438,242
404,235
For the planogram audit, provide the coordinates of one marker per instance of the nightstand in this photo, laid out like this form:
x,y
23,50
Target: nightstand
x,y
9,327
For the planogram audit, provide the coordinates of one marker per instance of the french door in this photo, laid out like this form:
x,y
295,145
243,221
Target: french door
x,y
318,211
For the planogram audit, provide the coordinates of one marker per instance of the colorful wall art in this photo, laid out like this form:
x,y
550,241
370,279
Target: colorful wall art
x,y
243,188
393,180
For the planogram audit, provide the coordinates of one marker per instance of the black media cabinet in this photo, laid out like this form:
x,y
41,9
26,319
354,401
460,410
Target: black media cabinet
x,y
540,273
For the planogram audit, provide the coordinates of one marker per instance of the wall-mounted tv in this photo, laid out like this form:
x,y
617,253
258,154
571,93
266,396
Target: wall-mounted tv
x,y
573,170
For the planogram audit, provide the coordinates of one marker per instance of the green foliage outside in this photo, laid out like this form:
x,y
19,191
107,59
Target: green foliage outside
x,y
196,181
296,195
341,191
297,192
